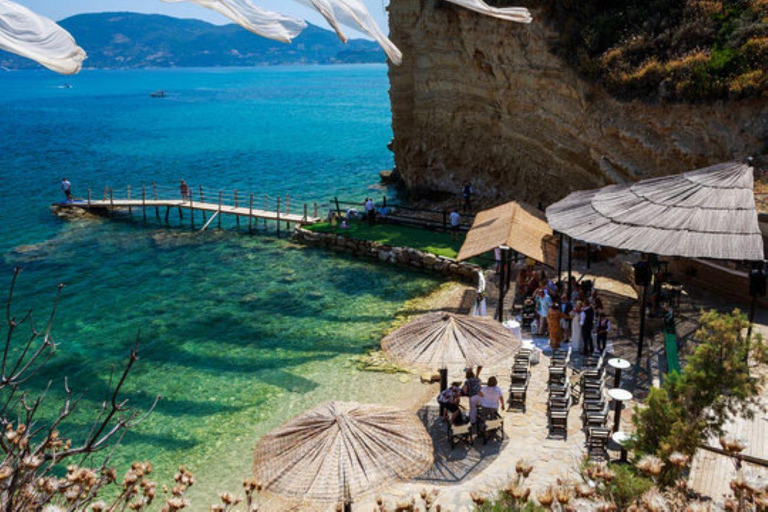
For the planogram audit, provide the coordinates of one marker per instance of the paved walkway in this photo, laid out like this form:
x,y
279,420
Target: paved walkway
x,y
487,468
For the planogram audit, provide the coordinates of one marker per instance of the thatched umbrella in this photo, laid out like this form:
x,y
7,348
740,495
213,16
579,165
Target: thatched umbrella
x,y
510,226
708,213
436,340
339,451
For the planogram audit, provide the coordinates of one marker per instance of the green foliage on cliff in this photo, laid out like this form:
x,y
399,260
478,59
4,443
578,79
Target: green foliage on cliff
x,y
673,50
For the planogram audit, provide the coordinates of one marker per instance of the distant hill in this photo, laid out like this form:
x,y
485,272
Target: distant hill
x,y
131,40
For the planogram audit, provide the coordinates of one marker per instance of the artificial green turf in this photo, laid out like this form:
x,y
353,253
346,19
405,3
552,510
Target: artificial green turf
x,y
441,244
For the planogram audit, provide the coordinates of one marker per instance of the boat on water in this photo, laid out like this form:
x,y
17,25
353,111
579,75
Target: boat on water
x,y
158,94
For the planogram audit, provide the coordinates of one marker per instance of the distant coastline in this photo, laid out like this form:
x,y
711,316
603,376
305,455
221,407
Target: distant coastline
x,y
125,40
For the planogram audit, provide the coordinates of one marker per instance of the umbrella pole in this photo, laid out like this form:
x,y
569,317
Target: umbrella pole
x,y
570,265
559,258
642,323
503,278
589,256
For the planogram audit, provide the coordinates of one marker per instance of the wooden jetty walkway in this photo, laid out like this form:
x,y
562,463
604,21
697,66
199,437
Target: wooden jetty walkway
x,y
272,209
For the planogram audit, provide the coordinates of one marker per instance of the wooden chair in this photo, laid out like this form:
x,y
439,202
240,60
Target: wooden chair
x,y
597,439
558,422
491,424
597,417
460,434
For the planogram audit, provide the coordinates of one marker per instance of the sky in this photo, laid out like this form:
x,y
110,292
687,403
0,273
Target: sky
x,y
59,9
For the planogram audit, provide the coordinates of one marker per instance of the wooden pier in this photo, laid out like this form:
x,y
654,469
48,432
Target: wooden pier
x,y
271,209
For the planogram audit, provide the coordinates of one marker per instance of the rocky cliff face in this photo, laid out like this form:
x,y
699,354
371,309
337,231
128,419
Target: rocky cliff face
x,y
484,100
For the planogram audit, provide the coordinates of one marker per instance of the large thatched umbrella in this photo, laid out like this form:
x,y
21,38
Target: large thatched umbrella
x,y
708,213
339,451
436,340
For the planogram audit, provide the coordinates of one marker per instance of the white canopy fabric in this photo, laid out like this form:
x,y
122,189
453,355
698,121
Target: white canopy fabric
x,y
516,14
709,213
36,37
354,14
269,24
281,27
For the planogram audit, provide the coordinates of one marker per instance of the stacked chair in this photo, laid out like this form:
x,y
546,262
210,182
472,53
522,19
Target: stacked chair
x,y
521,377
559,402
595,408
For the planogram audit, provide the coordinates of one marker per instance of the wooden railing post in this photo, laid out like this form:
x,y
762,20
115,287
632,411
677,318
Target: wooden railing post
x,y
154,194
202,200
130,210
338,209
106,193
305,213
144,203
237,217
220,198
266,209
278,216
250,214
315,210
287,211
111,200
89,198
191,210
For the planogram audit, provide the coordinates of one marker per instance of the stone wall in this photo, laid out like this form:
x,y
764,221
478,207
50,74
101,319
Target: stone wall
x,y
403,256
485,100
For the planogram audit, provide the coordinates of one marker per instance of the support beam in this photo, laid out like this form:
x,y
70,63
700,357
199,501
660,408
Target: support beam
x,y
216,214
503,281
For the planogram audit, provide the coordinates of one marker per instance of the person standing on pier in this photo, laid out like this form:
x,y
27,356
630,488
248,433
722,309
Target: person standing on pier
x,y
455,219
370,211
66,187
184,191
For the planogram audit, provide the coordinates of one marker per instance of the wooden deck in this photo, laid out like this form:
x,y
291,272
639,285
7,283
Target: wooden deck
x,y
245,212
711,473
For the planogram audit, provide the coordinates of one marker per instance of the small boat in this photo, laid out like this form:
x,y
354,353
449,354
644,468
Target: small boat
x,y
158,94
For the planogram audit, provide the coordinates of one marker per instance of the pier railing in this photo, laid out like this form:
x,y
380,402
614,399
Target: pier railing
x,y
425,218
213,202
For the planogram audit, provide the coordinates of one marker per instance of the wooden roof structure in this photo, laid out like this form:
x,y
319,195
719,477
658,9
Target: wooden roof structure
x,y
438,340
518,226
341,450
708,213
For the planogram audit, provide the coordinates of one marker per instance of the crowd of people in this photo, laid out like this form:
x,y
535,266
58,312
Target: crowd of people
x,y
577,318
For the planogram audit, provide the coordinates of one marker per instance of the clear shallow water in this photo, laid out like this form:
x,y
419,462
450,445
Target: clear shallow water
x,y
240,332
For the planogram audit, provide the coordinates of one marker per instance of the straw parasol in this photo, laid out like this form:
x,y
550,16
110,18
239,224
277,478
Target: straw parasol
x,y
340,451
518,226
708,213
436,340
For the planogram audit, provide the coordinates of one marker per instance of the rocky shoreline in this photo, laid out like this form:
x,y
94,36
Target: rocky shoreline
x,y
403,256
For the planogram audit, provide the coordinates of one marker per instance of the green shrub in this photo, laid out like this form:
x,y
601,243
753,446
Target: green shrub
x,y
614,42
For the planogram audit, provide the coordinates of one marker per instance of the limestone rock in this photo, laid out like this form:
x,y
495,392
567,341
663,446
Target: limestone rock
x,y
484,100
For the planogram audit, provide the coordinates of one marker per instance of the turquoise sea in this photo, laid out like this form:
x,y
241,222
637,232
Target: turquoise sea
x,y
239,331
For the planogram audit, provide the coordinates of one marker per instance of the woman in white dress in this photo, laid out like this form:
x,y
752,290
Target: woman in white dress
x,y
576,327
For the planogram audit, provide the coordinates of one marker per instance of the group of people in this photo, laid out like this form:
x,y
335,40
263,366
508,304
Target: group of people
x,y
578,318
489,396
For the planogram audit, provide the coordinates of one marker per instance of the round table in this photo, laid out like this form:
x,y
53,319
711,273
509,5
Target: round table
x,y
621,438
515,327
618,396
618,364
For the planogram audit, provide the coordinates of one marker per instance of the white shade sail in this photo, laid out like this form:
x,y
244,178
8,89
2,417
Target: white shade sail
x,y
515,14
36,37
281,27
248,15
709,213
354,14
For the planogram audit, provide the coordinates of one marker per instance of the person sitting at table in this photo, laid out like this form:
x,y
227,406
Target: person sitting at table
x,y
449,402
491,396
471,390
